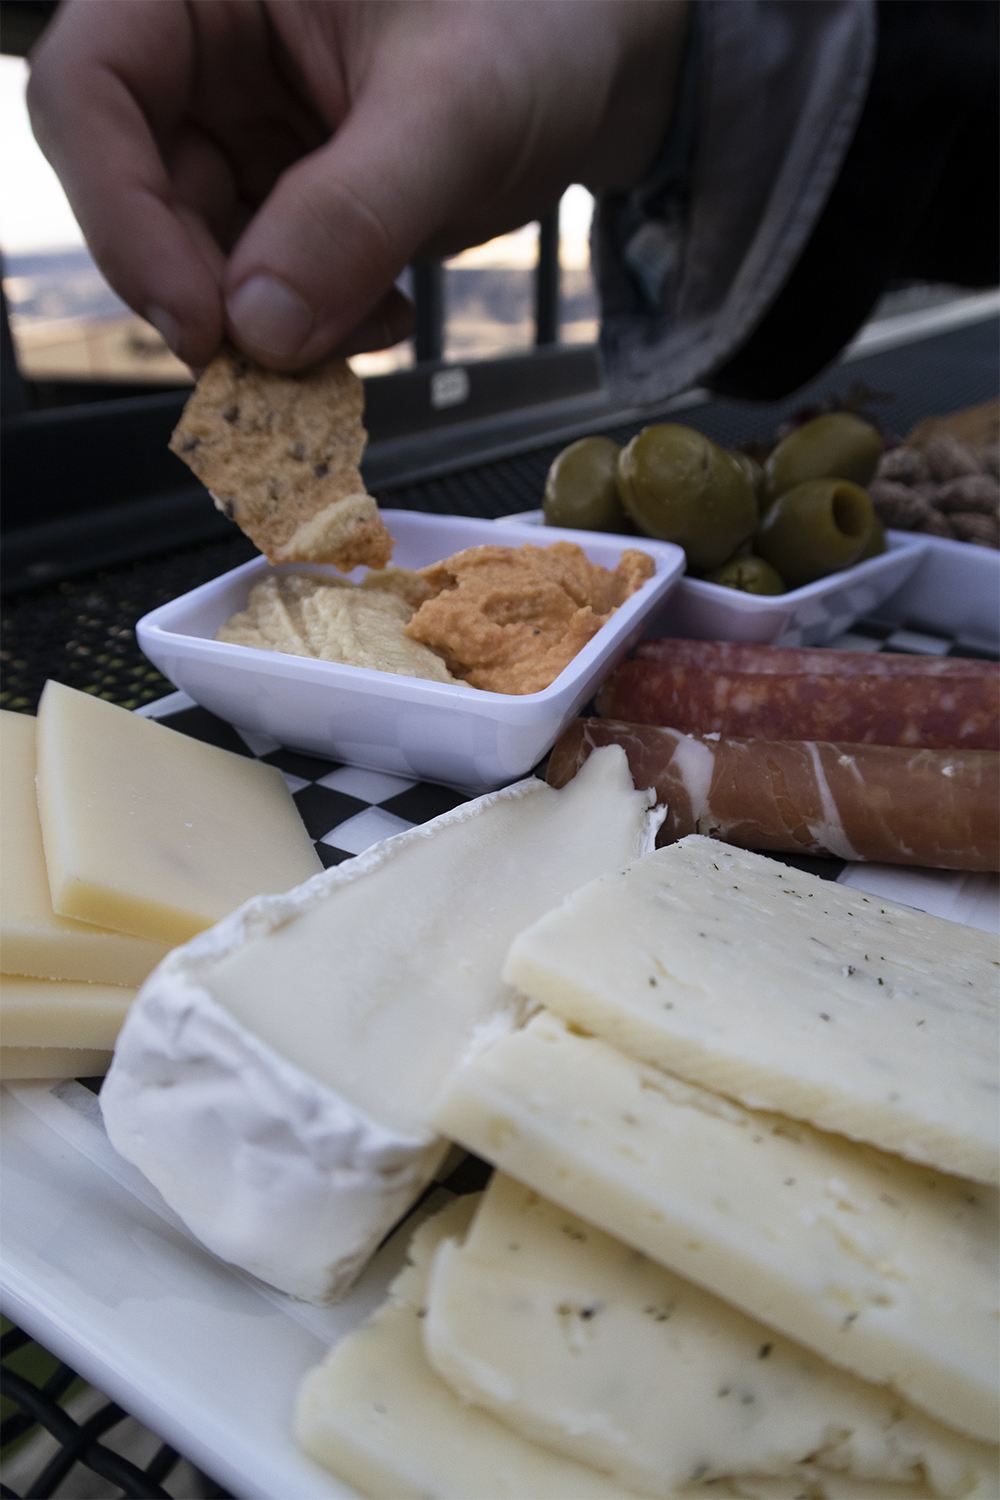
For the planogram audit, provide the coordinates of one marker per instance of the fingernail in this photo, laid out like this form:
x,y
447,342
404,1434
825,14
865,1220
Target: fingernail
x,y
267,316
166,326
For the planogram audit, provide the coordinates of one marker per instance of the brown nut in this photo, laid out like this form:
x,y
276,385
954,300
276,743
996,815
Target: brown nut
x,y
989,458
947,458
973,492
903,465
898,505
970,526
937,525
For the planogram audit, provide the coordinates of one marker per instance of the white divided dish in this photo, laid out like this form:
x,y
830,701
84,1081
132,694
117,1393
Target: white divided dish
x,y
807,616
436,731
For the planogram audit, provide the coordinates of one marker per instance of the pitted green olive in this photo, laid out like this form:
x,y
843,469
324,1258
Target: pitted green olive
x,y
814,529
837,445
752,470
679,486
749,574
581,487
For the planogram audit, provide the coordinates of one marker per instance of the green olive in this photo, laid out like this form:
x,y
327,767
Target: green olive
x,y
753,471
679,486
749,574
581,487
876,543
837,445
814,529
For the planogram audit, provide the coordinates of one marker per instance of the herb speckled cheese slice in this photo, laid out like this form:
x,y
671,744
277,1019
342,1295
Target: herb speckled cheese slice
x,y
787,992
586,1346
886,1269
376,1414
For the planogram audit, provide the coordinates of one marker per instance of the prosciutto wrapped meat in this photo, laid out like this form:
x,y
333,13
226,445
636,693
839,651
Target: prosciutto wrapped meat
x,y
891,804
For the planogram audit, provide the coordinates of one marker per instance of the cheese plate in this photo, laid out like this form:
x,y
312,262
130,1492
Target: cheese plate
x,y
98,1269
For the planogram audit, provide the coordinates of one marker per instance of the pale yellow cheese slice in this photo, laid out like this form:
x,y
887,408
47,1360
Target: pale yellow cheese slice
x,y
60,1012
20,1063
151,832
584,1345
886,1269
787,992
33,939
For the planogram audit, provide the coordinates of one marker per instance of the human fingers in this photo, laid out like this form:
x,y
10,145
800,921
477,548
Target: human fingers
x,y
339,226
205,192
446,131
388,323
158,257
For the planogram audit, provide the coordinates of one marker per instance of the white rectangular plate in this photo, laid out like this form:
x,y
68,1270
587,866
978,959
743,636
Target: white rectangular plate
x,y
97,1268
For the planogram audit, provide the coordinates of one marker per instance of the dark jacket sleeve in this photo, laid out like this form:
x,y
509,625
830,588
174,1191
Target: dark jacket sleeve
x,y
836,147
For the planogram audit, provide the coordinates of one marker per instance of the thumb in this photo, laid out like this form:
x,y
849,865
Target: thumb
x,y
320,257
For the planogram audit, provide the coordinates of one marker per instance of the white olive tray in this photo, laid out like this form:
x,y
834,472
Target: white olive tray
x,y
955,588
811,615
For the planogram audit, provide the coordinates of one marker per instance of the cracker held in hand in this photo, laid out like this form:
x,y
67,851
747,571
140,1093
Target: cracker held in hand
x,y
280,455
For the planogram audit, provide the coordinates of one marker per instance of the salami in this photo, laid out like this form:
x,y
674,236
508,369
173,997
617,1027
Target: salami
x,y
741,656
936,808
776,694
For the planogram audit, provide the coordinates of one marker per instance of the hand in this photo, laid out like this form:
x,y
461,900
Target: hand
x,y
263,170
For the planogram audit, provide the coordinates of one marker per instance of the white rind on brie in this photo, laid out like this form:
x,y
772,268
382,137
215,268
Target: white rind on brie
x,y
276,1076
270,1168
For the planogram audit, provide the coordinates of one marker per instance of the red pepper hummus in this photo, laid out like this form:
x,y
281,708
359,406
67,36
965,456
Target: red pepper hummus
x,y
509,619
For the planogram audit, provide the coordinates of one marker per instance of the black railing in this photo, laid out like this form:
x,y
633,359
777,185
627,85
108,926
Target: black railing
x,y
428,279
547,310
429,282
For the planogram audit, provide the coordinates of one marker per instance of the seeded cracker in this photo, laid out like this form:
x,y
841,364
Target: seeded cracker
x,y
280,456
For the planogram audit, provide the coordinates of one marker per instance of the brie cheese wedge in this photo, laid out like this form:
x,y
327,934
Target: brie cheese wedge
x,y
276,1077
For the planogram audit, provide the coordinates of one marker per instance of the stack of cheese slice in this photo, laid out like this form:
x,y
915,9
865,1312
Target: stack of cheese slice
x,y
783,1284
120,837
525,1354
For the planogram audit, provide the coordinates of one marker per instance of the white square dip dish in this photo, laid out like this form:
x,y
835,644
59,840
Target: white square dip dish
x,y
433,731
807,616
